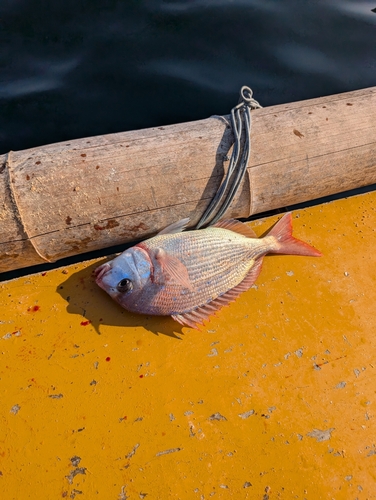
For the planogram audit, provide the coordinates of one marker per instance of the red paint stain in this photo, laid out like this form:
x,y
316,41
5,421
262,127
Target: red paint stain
x,y
85,323
108,358
141,376
44,274
318,365
33,309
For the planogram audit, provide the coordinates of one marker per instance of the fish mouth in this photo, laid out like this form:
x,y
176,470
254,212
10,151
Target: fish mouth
x,y
100,272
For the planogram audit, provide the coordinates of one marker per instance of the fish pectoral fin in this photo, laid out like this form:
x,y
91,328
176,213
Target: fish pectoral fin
x,y
197,316
176,227
171,270
237,227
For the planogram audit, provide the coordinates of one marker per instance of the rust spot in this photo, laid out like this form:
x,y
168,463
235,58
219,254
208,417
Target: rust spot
x,y
348,104
97,167
108,358
8,256
85,323
140,227
37,162
83,155
297,133
28,177
44,274
110,225
74,243
68,220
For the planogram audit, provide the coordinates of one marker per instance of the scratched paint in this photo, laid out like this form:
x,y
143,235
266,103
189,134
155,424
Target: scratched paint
x,y
274,398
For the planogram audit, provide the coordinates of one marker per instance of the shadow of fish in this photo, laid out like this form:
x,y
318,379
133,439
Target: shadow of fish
x,y
190,275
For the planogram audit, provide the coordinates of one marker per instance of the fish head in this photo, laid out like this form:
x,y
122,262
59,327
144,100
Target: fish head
x,y
126,276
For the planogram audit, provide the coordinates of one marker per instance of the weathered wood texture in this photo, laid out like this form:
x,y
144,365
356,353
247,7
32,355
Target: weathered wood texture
x,y
81,195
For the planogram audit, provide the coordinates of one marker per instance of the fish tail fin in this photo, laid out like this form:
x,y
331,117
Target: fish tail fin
x,y
286,243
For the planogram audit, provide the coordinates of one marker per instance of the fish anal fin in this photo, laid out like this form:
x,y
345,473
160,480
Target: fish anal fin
x,y
170,269
176,227
202,313
237,227
184,320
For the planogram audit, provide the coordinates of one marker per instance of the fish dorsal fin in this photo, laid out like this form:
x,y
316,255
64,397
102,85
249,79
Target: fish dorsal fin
x,y
170,269
237,227
176,227
198,316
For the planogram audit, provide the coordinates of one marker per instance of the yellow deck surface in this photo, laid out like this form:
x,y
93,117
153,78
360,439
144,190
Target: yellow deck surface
x,y
273,399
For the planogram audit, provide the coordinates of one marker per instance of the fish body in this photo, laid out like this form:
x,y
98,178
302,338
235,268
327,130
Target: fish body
x,y
189,275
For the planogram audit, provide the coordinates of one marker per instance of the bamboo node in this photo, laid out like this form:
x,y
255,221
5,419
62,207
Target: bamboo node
x,y
16,207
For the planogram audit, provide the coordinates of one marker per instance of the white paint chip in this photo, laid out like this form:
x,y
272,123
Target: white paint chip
x,y
321,435
246,414
15,409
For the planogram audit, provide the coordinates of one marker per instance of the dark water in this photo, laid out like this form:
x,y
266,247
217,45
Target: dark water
x,y
71,69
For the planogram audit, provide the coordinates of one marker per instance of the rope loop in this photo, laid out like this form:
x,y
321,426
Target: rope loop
x,y
241,126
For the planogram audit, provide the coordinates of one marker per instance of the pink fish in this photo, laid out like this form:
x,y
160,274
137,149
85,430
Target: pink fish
x,y
190,275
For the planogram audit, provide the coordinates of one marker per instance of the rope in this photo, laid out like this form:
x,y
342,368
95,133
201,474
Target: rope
x,y
241,125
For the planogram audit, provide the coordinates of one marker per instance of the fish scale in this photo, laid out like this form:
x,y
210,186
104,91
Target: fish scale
x,y
191,275
214,263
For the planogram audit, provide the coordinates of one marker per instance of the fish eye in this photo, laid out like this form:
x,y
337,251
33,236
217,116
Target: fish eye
x,y
125,285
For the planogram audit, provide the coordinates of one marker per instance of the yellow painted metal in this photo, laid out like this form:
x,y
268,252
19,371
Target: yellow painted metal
x,y
274,398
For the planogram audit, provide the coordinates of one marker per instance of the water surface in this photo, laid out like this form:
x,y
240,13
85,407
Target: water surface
x,y
75,69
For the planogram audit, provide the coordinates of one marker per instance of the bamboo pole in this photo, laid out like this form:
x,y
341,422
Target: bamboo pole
x,y
86,194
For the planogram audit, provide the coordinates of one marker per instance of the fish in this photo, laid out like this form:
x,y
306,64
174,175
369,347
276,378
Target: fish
x,y
190,275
